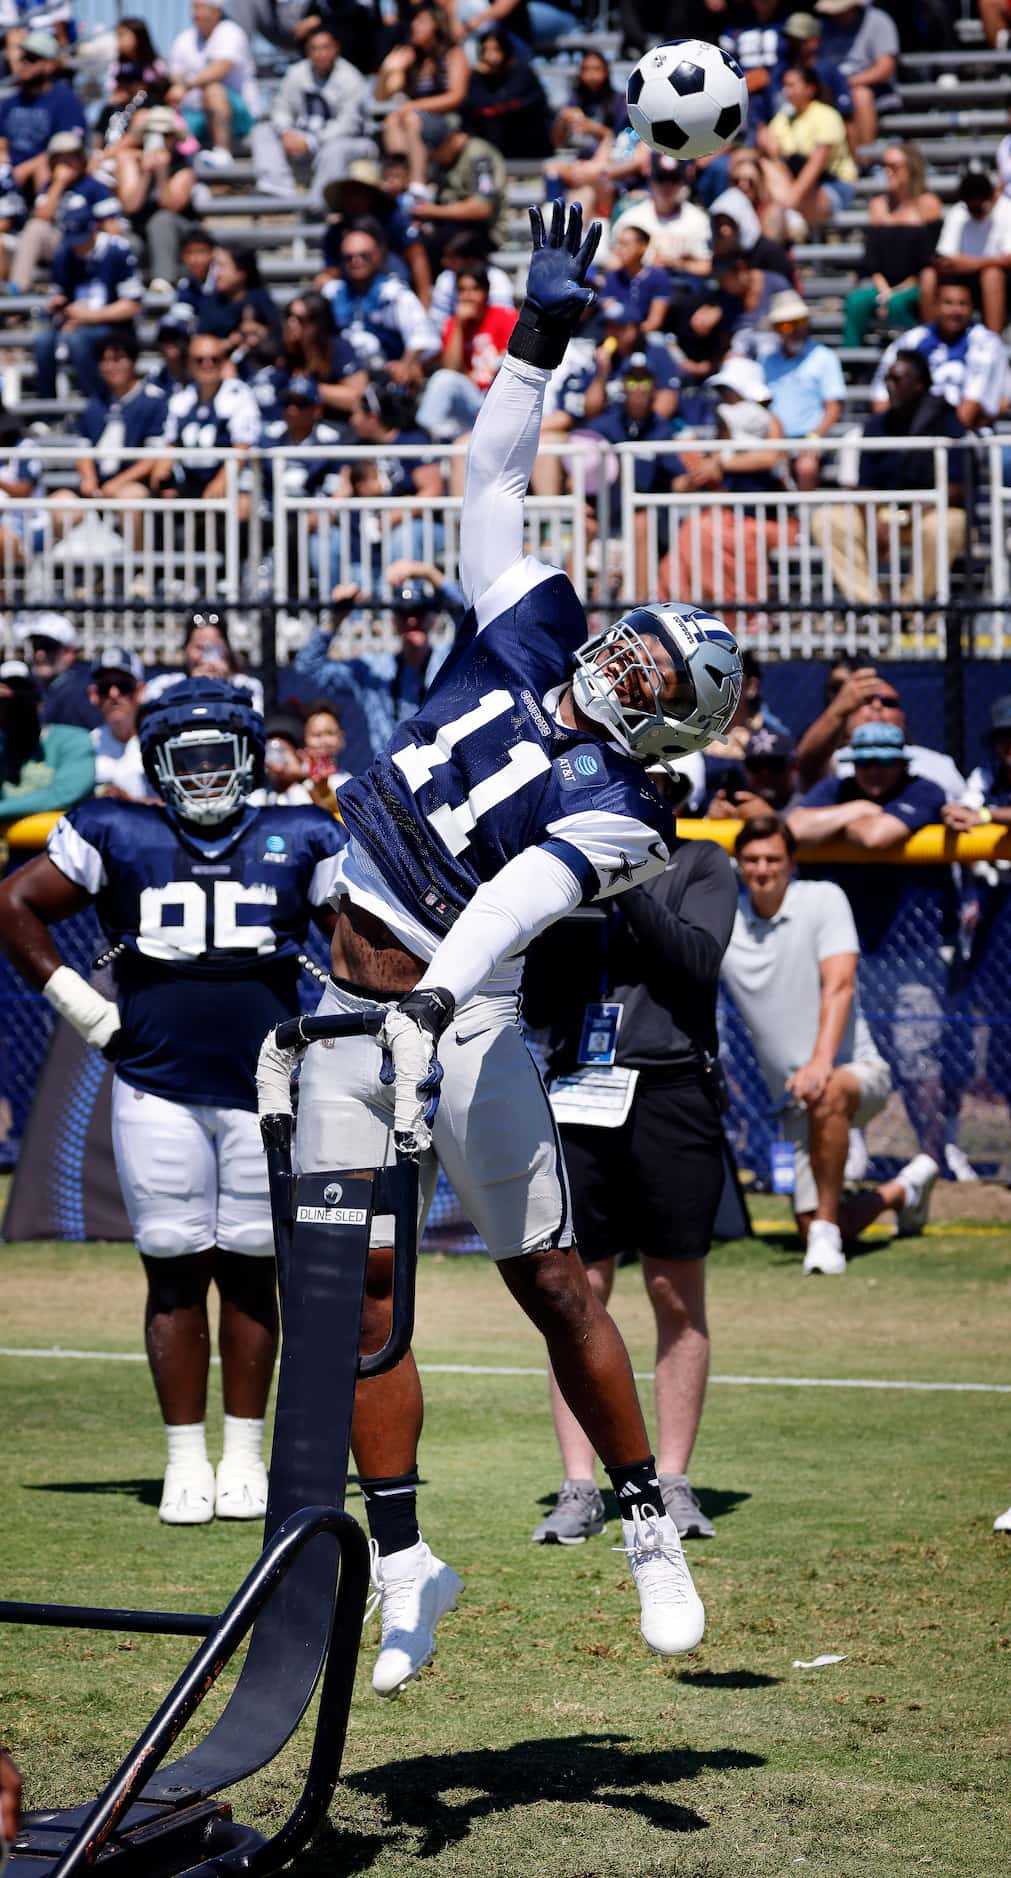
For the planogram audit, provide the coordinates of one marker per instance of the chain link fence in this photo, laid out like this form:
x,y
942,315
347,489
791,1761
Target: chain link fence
x,y
934,990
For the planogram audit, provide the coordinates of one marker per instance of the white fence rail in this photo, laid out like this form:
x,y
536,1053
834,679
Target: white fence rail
x,y
797,573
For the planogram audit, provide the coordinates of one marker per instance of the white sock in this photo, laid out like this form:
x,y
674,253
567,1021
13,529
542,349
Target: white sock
x,y
187,1441
243,1438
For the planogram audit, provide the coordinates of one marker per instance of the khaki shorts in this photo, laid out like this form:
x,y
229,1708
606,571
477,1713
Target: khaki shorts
x,y
874,1077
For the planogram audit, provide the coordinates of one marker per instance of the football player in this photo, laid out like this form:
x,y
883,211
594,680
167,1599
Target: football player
x,y
206,904
517,792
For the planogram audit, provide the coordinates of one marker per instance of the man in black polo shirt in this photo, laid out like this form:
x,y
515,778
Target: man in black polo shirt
x,y
630,998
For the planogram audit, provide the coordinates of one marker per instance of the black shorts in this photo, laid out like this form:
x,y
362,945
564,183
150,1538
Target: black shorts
x,y
653,1185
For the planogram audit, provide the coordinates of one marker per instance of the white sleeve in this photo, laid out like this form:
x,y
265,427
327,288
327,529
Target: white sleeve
x,y
325,877
878,390
417,328
503,446
529,893
75,857
836,931
949,241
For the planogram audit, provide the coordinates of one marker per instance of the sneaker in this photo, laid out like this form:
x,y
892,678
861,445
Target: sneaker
x,y
215,159
578,1514
855,1169
241,1488
414,1589
1002,1523
917,1177
187,1497
684,1509
824,1249
671,1619
958,1163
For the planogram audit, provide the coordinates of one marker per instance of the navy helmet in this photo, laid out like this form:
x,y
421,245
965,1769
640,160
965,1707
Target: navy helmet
x,y
202,746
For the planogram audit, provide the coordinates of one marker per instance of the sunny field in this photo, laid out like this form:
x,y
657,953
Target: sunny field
x,y
545,1740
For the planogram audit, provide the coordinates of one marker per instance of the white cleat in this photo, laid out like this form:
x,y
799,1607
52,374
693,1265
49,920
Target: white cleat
x,y
672,1618
187,1497
824,1251
241,1488
1002,1523
917,1177
414,1589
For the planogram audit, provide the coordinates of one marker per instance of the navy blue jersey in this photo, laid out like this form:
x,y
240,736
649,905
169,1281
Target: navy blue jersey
x,y
106,273
211,925
116,424
485,771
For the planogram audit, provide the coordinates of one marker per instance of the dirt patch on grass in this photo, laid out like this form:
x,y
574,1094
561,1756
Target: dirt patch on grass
x,y
969,1200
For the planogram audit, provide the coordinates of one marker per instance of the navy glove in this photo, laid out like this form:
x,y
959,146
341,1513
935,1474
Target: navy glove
x,y
408,1039
556,298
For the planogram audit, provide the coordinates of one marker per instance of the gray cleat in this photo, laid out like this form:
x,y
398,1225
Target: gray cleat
x,y
578,1514
684,1509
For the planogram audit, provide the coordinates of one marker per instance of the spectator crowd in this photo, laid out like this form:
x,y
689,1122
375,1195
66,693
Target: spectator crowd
x,y
392,143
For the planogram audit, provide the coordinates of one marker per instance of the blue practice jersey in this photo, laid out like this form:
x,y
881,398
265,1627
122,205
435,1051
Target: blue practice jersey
x,y
211,926
485,771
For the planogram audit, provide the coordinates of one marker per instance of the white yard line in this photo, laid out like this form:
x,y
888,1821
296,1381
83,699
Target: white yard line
x,y
489,1369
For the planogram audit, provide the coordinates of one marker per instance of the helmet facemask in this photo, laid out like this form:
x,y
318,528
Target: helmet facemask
x,y
203,774
642,687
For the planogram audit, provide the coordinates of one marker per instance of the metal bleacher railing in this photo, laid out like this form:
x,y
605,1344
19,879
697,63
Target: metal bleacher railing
x,y
798,573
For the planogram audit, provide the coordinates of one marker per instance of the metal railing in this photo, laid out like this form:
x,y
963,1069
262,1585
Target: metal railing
x,y
798,573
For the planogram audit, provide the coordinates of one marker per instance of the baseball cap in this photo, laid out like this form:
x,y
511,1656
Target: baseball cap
x,y
1000,713
54,626
802,26
78,223
41,45
65,143
769,746
621,308
838,6
876,743
121,660
301,389
638,366
745,376
787,306
15,672
975,181
414,596
436,127
365,174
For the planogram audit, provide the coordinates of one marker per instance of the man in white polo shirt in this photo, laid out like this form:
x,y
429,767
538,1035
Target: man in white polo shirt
x,y
791,969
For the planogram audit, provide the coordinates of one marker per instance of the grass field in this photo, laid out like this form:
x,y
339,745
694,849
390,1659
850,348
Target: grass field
x,y
545,1739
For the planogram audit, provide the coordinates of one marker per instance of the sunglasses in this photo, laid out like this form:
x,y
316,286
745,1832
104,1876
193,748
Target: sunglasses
x,y
206,358
106,684
885,697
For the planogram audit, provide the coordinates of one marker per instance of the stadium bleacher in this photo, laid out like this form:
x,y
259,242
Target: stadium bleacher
x,y
950,104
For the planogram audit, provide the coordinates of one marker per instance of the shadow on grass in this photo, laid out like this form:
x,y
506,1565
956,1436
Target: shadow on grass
x,y
571,1769
148,1492
727,1679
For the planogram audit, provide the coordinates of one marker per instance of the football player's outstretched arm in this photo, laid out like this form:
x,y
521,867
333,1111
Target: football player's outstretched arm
x,y
506,436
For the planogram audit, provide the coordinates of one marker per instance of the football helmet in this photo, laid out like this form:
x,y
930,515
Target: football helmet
x,y
706,688
202,747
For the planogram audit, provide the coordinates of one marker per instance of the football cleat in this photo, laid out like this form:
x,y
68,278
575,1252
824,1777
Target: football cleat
x,y
241,1488
187,1497
672,1618
414,1589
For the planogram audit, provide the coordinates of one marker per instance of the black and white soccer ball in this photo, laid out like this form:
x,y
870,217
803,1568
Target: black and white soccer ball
x,y
687,99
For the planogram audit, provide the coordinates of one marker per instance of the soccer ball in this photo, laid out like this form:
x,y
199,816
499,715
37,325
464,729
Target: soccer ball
x,y
687,99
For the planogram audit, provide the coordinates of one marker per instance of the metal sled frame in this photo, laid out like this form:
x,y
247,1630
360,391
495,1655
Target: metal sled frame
x,y
302,1604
